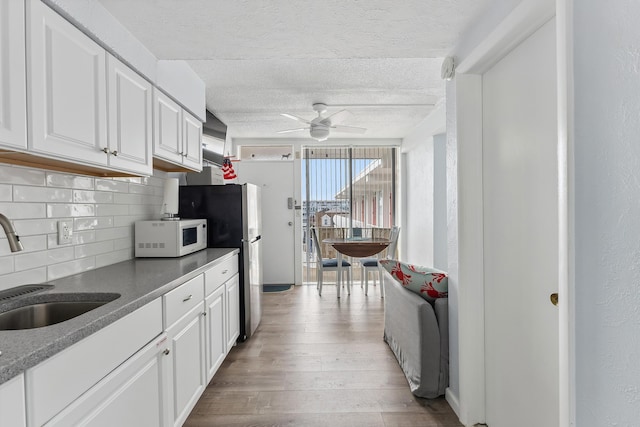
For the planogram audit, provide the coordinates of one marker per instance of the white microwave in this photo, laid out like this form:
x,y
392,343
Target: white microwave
x,y
170,238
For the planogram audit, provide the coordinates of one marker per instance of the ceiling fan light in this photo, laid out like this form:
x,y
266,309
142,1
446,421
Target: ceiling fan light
x,y
319,133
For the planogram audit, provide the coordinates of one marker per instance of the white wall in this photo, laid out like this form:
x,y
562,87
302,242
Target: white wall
x,y
440,202
102,211
607,225
417,226
417,235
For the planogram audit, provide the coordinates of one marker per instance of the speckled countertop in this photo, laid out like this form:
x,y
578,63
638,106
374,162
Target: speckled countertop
x,y
138,281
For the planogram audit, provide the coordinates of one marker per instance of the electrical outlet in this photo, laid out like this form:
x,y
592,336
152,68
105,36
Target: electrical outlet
x,y
65,232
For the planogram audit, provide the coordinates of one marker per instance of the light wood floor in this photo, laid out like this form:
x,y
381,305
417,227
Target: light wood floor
x,y
316,361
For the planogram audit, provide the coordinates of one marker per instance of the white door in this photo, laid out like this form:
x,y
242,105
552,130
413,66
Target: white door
x,y
520,191
276,179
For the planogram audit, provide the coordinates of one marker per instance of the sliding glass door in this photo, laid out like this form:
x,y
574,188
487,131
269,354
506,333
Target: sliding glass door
x,y
346,192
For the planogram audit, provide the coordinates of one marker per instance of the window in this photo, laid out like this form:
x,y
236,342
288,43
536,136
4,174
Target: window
x,y
345,189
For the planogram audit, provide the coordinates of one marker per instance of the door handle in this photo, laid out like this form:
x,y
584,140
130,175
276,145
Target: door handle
x,y
554,298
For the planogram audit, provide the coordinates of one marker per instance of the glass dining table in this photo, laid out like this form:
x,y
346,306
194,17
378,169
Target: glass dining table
x,y
356,247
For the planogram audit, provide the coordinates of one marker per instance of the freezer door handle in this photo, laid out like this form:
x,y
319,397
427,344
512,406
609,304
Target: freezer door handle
x,y
255,239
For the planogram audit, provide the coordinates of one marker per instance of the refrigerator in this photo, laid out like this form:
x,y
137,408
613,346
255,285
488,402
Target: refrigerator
x,y
234,220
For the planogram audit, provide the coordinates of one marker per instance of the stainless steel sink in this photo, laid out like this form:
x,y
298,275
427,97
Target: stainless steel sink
x,y
42,314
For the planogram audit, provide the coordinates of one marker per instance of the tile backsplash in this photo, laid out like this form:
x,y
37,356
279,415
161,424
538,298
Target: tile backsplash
x,y
102,211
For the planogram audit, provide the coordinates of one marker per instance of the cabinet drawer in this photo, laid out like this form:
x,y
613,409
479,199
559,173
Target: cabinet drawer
x,y
58,381
216,276
179,301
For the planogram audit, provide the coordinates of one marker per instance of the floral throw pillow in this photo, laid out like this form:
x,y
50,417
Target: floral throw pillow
x,y
429,283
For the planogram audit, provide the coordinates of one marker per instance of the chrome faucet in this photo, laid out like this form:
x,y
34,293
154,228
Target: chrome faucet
x,y
12,237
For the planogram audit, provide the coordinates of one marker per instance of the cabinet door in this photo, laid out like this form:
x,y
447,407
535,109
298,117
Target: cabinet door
x,y
215,331
187,359
132,395
13,92
232,289
78,368
130,131
192,141
68,89
167,136
13,411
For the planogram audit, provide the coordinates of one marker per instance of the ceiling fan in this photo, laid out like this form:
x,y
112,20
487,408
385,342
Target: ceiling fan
x,y
320,127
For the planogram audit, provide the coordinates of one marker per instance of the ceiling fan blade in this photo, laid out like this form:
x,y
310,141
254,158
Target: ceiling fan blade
x,y
291,116
336,118
292,130
348,129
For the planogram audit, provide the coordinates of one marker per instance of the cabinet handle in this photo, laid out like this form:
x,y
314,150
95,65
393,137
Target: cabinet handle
x,y
166,351
106,151
187,298
224,271
204,313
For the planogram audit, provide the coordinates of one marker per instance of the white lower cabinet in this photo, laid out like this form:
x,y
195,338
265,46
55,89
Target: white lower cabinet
x,y
134,372
59,381
215,331
186,371
223,312
132,395
232,288
13,410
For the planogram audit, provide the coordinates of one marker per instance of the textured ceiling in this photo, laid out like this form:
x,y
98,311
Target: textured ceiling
x,y
262,58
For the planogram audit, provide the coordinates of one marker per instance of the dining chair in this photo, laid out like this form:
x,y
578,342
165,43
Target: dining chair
x,y
328,264
370,265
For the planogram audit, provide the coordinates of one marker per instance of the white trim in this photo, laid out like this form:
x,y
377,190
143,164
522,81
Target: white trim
x,y
516,27
452,400
566,224
470,286
523,21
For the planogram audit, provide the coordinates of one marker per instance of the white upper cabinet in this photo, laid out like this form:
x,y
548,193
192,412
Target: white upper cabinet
x,y
86,106
167,118
66,103
13,95
191,141
68,99
177,135
130,117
